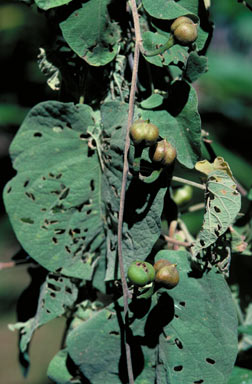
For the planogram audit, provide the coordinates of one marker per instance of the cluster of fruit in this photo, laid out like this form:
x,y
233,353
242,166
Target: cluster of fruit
x,y
164,273
143,133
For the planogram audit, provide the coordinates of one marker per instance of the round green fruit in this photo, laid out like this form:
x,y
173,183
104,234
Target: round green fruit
x,y
183,195
141,273
143,132
184,30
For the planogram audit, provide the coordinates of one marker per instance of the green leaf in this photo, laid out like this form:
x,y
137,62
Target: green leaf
x,y
154,101
240,376
170,9
247,329
171,351
222,204
48,4
176,54
186,360
53,202
143,204
91,34
56,295
167,9
196,65
183,130
58,369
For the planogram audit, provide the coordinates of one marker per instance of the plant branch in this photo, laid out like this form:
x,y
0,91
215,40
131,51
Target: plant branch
x,y
189,182
5,265
177,242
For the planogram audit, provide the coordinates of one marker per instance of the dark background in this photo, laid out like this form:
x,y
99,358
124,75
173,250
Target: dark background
x,y
225,101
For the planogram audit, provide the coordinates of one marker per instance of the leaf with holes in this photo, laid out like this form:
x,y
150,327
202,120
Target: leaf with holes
x,y
165,334
91,34
143,204
57,294
53,201
101,336
222,204
212,318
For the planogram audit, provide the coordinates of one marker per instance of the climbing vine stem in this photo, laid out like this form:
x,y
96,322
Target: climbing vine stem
x,y
123,187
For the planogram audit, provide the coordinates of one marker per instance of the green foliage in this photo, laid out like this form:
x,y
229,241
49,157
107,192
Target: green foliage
x,y
57,294
168,349
66,198
181,127
90,34
48,4
223,203
54,199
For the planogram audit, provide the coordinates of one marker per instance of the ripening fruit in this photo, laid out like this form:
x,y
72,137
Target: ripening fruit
x,y
141,273
184,30
143,132
166,273
160,264
164,153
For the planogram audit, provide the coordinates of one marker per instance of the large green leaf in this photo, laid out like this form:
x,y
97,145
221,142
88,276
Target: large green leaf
x,y
211,317
53,202
184,129
222,204
166,336
144,203
91,34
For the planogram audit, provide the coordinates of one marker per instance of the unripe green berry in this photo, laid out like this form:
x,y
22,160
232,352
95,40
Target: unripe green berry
x,y
183,195
184,30
141,273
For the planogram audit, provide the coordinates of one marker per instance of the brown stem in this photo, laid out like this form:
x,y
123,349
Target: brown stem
x,y
124,183
177,242
5,265
172,231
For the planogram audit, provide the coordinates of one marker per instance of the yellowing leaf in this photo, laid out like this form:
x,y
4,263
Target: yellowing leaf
x,y
204,166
